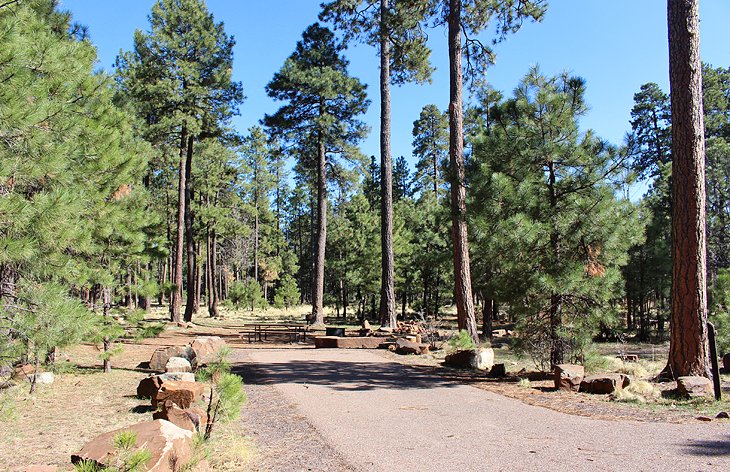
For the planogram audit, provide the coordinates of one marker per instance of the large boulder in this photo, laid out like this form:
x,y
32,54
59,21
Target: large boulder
x,y
568,377
193,419
170,446
159,359
602,384
695,386
177,365
183,394
481,359
403,346
149,386
206,348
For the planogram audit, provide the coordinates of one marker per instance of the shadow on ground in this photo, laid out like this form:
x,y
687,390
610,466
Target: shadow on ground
x,y
343,375
717,447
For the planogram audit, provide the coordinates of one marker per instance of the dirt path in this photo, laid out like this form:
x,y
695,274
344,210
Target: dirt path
x,y
382,415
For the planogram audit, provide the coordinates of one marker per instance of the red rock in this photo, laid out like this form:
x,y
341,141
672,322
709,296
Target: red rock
x,y
169,445
206,348
25,372
568,377
148,387
193,419
403,346
603,384
183,394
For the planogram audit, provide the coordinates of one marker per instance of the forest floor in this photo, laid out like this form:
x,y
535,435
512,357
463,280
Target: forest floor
x,y
275,431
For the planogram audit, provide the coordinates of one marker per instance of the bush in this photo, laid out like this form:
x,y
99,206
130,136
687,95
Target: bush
x,y
42,319
214,370
226,401
462,341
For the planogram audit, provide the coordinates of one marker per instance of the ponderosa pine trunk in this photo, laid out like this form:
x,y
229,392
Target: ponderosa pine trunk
x,y
215,294
387,289
688,347
319,255
190,306
462,270
176,301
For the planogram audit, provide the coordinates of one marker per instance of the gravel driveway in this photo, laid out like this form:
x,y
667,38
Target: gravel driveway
x,y
381,416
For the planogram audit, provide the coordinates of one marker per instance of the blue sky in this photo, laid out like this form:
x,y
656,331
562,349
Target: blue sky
x,y
615,45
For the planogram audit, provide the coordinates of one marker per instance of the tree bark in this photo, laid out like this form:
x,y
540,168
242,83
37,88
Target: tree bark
x,y
178,266
462,270
214,293
190,307
319,256
688,347
388,313
487,317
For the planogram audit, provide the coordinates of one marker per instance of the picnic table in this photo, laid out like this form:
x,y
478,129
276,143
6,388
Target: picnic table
x,y
260,332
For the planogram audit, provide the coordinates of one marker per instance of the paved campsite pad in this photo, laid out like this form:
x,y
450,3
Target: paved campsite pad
x,y
382,415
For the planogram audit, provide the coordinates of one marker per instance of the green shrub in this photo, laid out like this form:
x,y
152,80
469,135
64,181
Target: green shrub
x,y
462,341
221,365
148,330
287,295
226,401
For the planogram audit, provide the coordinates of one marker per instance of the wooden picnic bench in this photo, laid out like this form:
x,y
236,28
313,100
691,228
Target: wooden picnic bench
x,y
260,332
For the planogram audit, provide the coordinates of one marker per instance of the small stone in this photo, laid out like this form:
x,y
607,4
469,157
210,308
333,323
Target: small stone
x,y
178,364
722,415
694,387
568,377
42,378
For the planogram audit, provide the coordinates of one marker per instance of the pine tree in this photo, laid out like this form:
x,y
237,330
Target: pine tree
x,y
394,28
430,147
323,103
551,230
179,78
471,17
69,182
688,346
